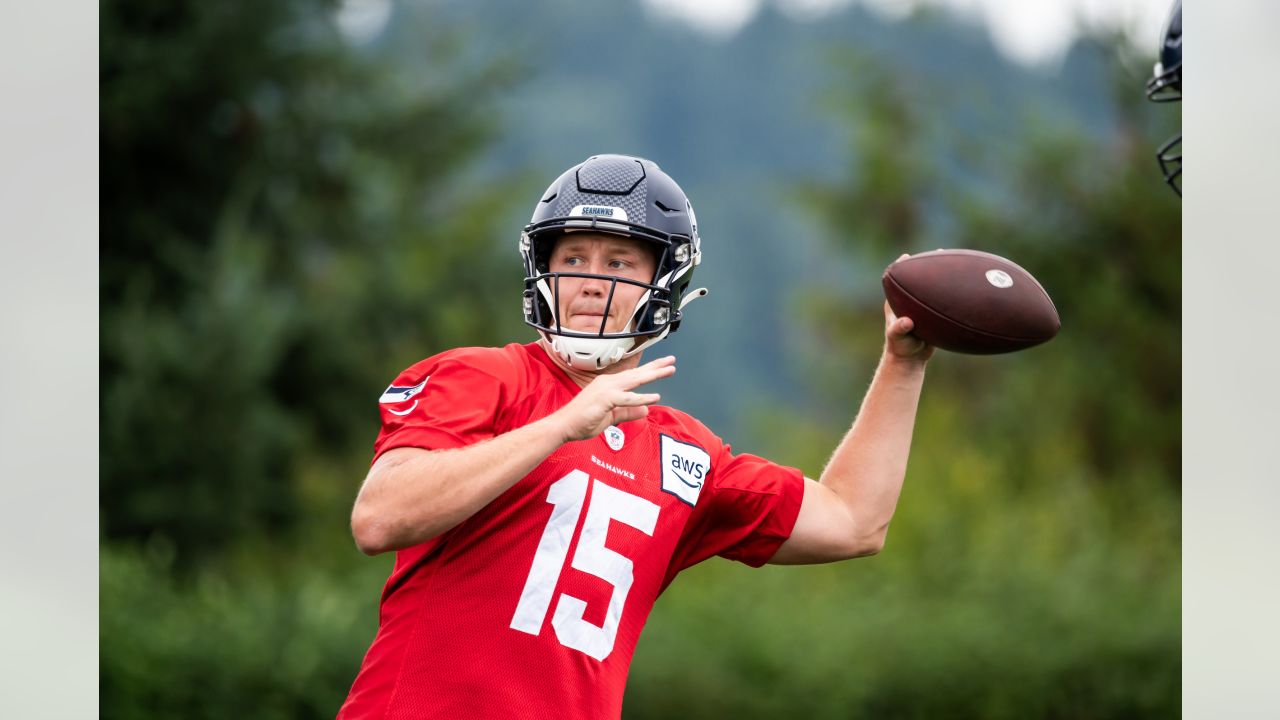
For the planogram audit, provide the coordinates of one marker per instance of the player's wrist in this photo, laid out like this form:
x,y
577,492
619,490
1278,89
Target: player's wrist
x,y
907,365
555,428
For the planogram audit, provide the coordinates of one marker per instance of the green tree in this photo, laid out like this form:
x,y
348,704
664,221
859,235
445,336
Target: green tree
x,y
1087,217
1032,568
287,221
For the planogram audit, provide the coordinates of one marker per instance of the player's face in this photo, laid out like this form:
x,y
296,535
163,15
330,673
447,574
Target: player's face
x,y
582,300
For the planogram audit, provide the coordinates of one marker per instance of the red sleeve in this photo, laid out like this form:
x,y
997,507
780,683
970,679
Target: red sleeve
x,y
449,401
747,510
754,508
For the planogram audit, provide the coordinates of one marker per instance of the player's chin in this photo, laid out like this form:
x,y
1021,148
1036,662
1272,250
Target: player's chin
x,y
585,324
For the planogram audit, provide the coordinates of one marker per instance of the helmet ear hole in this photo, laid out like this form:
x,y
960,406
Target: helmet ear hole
x,y
543,246
657,252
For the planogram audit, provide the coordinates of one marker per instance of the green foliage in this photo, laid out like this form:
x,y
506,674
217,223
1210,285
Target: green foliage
x,y
269,635
284,228
988,602
1032,569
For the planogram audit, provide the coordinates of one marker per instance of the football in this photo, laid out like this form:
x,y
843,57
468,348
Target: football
x,y
968,301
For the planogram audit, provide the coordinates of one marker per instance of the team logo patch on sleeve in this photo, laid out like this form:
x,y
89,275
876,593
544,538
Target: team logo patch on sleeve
x,y
685,468
395,394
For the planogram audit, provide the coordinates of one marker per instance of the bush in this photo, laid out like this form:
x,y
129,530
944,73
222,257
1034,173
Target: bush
x,y
272,636
1055,602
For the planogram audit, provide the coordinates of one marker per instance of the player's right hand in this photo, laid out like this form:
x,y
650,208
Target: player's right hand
x,y
609,400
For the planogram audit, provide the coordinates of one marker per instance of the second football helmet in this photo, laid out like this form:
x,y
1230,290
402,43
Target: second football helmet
x,y
1166,86
620,195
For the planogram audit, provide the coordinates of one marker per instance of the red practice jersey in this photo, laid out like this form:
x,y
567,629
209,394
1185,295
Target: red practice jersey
x,y
531,608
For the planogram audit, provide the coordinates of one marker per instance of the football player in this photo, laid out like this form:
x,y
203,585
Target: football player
x,y
1166,86
539,500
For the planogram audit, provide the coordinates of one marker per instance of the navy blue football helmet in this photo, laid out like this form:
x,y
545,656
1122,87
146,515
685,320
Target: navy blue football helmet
x,y
1166,86
620,195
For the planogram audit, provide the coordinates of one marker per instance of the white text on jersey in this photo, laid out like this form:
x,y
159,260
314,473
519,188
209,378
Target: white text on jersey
x,y
611,468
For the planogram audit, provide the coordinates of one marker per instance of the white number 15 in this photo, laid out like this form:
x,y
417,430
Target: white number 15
x,y
566,497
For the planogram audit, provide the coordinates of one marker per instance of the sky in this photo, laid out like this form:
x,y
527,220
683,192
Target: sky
x,y
1032,32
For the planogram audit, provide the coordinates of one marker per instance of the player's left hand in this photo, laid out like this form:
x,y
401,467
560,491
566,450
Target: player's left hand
x,y
898,340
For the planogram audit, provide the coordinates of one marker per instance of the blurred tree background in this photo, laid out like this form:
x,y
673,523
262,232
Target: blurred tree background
x,y
292,214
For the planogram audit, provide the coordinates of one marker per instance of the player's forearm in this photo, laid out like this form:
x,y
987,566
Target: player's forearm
x,y
869,465
411,497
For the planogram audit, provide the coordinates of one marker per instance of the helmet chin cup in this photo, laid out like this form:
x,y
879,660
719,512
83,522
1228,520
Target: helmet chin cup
x,y
590,354
594,354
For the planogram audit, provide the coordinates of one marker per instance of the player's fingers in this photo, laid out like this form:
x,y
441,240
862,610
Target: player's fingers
x,y
647,373
895,326
665,363
630,399
627,414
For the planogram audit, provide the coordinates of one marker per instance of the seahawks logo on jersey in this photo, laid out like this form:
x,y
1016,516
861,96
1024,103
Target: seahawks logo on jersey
x,y
395,394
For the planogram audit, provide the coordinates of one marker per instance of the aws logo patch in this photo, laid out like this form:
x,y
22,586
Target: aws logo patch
x,y
685,468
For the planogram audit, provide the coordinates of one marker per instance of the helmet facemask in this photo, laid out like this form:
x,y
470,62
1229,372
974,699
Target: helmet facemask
x,y
1170,157
654,315
1166,86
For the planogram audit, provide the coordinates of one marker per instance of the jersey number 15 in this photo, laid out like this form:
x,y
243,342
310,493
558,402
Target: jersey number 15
x,y
566,497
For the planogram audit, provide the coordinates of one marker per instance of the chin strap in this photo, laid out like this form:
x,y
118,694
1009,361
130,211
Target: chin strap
x,y
594,354
700,292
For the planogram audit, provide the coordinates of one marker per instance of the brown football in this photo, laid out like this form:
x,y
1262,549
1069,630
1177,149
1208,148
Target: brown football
x,y
969,301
